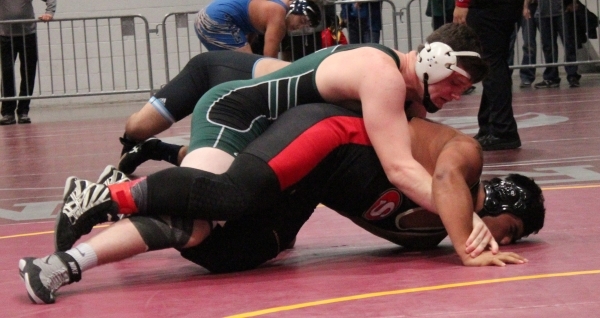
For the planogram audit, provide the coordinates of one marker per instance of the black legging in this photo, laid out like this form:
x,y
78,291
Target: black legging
x,y
200,74
248,186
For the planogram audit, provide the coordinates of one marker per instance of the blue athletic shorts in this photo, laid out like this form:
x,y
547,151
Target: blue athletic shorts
x,y
219,33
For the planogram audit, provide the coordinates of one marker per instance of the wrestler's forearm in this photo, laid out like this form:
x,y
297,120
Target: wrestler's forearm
x,y
455,205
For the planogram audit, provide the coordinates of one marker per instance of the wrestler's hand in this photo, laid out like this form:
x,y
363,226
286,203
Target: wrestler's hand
x,y
480,238
487,258
460,15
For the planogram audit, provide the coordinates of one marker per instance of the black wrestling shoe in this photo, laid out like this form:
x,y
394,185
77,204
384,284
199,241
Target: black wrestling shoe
x,y
491,142
85,204
44,276
139,154
111,175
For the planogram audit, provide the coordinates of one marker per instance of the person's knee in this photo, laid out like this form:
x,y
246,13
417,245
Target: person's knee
x,y
166,232
133,128
199,233
145,124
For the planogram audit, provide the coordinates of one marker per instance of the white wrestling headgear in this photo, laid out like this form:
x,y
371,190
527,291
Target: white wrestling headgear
x,y
438,61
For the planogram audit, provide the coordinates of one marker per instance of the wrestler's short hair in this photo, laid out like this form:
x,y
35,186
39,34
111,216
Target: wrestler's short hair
x,y
461,37
518,195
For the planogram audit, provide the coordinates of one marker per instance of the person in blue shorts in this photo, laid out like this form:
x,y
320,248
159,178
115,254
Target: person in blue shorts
x,y
230,24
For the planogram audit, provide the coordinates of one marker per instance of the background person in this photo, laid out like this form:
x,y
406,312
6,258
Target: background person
x,y
19,39
363,20
556,21
494,22
229,24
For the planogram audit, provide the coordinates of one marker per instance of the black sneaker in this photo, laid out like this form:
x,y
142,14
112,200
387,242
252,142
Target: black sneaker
x,y
139,154
490,142
8,120
547,84
574,82
85,204
44,276
23,119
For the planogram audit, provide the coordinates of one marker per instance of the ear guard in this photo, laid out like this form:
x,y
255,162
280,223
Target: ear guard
x,y
438,61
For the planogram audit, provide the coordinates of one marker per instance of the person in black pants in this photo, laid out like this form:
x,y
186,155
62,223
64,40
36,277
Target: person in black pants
x,y
19,39
494,22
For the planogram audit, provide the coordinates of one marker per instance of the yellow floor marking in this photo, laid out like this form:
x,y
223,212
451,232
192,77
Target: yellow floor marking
x,y
407,291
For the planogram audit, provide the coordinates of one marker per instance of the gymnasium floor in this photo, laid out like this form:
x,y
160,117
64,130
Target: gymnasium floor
x,y
336,269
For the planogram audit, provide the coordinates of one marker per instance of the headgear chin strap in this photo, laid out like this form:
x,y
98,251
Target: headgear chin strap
x,y
435,62
430,107
438,61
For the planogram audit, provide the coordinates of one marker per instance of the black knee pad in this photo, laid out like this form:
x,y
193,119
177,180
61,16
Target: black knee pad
x,y
163,232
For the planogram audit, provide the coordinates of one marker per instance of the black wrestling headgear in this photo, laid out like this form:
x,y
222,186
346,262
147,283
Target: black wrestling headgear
x,y
308,8
518,195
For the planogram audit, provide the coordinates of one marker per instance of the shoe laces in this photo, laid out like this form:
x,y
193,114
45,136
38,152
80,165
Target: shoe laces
x,y
57,278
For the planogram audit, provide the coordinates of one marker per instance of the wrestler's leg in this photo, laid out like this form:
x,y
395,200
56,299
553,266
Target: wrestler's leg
x,y
208,159
177,100
123,239
246,49
146,123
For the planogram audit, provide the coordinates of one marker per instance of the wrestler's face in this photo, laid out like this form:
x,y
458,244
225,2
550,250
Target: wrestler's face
x,y
297,21
448,89
506,228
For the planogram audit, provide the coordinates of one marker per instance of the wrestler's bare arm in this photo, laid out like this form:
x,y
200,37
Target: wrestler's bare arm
x,y
458,165
383,94
270,17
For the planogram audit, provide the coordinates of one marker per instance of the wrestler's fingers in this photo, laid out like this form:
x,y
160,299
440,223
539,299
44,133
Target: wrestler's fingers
x,y
498,262
487,240
494,247
477,235
512,258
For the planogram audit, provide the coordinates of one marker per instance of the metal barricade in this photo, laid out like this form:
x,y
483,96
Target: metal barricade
x,y
90,56
306,42
112,55
180,42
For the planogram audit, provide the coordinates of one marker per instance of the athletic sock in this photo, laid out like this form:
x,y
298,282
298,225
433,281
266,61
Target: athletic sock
x,y
168,152
84,255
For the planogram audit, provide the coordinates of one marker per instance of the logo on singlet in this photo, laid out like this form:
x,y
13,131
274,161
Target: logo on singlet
x,y
387,203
